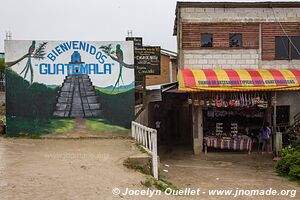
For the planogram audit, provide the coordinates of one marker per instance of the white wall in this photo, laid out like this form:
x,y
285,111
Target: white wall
x,y
240,14
222,59
232,59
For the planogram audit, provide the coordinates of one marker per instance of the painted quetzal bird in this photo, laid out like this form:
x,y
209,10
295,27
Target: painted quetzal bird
x,y
119,54
28,65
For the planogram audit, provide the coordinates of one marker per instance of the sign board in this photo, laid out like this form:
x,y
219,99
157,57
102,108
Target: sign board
x,y
147,60
137,41
51,83
154,95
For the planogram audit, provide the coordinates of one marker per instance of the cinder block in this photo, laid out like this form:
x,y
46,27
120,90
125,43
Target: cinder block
x,y
190,10
250,62
231,62
202,61
246,56
226,56
187,56
192,61
209,10
222,61
236,56
241,62
217,56
209,56
206,66
199,10
254,56
212,61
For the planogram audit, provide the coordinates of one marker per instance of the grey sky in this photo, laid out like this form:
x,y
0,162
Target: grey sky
x,y
89,20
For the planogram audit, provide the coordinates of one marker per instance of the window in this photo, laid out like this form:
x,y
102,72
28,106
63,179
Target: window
x,y
206,40
235,40
287,48
281,47
283,115
295,47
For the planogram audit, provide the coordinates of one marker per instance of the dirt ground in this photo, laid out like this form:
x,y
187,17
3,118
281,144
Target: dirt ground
x,y
65,169
225,170
90,168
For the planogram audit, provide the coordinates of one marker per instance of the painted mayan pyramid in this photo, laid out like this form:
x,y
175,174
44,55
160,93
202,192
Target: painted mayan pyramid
x,y
77,97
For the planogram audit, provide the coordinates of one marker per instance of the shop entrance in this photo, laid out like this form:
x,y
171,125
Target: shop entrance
x,y
172,119
233,121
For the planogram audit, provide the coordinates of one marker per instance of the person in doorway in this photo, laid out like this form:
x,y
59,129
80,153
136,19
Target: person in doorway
x,y
265,136
157,124
158,129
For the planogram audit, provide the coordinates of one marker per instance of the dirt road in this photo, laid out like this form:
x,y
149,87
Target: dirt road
x,y
65,169
228,171
76,169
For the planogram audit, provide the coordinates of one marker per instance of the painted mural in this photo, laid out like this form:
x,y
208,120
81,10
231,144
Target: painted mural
x,y
54,87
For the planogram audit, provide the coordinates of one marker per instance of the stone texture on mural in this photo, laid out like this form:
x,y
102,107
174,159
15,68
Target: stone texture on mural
x,y
77,98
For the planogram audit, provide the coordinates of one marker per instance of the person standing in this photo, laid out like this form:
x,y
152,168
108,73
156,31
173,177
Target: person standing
x,y
265,136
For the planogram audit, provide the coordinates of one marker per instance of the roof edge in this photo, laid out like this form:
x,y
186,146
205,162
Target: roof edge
x,y
267,4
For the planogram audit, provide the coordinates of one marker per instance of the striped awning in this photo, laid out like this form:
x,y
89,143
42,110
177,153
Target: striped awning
x,y
238,80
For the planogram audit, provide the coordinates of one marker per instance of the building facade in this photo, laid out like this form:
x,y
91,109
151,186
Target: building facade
x,y
240,36
168,69
257,24
155,85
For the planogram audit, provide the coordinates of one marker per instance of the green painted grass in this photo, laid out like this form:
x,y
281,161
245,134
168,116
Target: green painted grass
x,y
61,125
99,125
109,91
18,126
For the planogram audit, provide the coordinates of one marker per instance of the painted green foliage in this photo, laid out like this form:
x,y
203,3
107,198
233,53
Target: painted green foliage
x,y
34,101
119,58
33,52
34,109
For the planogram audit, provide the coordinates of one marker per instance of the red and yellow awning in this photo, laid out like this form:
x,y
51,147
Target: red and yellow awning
x,y
238,80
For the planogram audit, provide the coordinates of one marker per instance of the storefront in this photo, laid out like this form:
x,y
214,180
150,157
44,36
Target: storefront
x,y
231,106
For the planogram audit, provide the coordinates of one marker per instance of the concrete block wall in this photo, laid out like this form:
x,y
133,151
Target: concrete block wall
x,y
221,59
290,98
232,59
240,14
281,64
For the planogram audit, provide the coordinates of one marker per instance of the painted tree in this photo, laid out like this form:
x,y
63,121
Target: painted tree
x,y
35,53
117,56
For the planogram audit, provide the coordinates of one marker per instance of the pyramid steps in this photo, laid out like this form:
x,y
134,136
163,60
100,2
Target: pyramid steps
x,y
77,97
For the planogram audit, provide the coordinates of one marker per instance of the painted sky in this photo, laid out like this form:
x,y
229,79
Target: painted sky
x,y
89,20
45,71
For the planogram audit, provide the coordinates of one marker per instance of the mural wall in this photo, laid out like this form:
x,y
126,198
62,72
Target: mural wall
x,y
53,84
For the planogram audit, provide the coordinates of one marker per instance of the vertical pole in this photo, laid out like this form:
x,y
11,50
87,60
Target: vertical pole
x,y
274,119
132,129
154,155
260,46
200,128
170,70
144,100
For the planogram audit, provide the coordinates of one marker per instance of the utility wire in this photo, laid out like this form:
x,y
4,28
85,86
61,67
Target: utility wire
x,y
285,32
